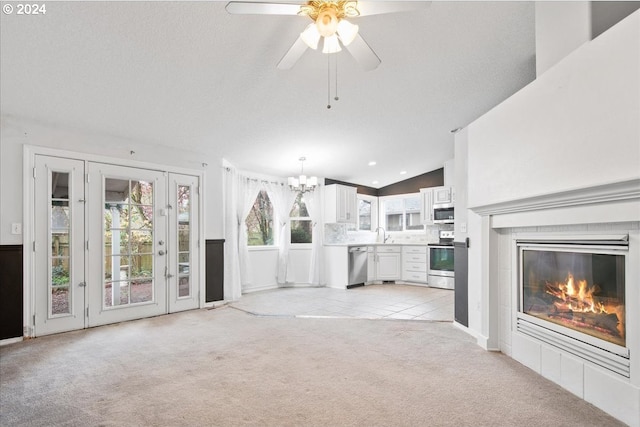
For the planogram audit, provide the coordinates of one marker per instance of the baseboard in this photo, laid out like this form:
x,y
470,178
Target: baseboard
x,y
8,341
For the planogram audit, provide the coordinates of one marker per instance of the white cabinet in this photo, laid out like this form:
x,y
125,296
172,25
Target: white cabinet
x,y
414,264
388,263
426,215
371,263
441,195
340,204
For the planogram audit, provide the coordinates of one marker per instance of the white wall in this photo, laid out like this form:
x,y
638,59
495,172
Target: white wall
x,y
263,268
561,27
576,126
15,133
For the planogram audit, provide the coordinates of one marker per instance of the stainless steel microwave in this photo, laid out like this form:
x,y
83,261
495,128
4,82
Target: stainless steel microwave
x,y
443,214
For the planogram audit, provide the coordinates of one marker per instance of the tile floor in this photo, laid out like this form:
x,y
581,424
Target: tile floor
x,y
388,301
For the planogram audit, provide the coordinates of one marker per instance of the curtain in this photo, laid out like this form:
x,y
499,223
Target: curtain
x,y
248,190
232,282
282,199
239,195
314,202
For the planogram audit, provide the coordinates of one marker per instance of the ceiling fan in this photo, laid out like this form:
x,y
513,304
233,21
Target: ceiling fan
x,y
329,23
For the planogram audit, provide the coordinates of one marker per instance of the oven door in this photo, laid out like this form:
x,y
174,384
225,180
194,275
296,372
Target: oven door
x,y
441,261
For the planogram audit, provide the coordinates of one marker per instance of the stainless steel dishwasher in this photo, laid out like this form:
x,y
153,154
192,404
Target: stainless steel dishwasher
x,y
357,266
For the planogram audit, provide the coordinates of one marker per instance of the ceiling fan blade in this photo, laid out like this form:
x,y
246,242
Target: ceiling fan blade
x,y
363,53
293,54
257,8
379,7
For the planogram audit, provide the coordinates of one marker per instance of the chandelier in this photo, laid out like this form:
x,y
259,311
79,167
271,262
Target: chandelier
x,y
302,183
329,22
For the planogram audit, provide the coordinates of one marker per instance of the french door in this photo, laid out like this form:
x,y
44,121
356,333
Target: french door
x,y
59,227
113,243
128,227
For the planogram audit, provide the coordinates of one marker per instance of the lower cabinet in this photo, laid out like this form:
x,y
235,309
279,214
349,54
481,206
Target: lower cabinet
x,y
414,264
387,263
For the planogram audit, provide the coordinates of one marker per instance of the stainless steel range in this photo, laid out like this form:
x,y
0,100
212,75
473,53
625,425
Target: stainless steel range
x,y
441,272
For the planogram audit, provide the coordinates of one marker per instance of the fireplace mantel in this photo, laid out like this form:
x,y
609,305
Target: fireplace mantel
x,y
605,193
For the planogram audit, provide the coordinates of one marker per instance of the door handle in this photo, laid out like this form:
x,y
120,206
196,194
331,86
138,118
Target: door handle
x,y
82,284
161,252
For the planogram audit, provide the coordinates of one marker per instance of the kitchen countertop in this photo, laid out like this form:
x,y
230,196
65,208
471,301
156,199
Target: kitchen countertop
x,y
352,244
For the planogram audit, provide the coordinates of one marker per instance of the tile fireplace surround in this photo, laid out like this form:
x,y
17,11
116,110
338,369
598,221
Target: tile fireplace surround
x,y
596,212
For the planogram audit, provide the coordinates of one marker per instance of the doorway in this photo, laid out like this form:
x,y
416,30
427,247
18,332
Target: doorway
x,y
111,243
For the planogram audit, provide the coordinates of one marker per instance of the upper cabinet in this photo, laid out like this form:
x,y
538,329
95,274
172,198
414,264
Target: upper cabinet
x,y
426,215
442,195
340,204
435,196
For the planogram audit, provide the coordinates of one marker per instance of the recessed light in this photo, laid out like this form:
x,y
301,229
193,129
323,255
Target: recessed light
x,y
372,163
403,172
374,182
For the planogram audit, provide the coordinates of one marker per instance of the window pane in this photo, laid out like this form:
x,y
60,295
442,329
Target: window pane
x,y
394,222
299,208
59,215
259,222
142,192
364,215
413,221
116,190
301,231
141,290
412,204
393,206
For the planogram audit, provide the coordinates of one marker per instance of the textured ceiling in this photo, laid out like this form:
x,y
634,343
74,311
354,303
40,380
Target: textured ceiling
x,y
189,75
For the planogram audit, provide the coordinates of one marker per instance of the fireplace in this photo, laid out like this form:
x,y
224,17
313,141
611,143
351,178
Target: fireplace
x,y
572,293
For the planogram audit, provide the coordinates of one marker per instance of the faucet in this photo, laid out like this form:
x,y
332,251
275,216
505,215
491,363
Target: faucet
x,y
384,234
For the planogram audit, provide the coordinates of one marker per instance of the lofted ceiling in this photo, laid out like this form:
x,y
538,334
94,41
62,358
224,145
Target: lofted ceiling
x,y
189,75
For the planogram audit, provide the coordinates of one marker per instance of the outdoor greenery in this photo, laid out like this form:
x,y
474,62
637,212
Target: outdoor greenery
x,y
59,276
260,221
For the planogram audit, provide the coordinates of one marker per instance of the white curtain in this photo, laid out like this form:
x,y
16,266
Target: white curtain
x,y
248,190
314,202
282,199
240,194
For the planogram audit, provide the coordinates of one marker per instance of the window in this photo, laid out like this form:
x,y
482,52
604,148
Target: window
x,y
260,222
367,212
301,226
402,213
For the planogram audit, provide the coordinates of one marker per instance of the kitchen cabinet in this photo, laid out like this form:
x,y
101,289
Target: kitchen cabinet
x,y
371,263
414,264
336,266
388,263
426,215
340,204
441,195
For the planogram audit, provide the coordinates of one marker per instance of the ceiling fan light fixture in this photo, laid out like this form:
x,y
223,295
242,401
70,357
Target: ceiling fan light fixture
x,y
310,36
327,22
347,31
331,44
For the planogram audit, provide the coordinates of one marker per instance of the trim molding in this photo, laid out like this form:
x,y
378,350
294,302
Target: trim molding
x,y
612,192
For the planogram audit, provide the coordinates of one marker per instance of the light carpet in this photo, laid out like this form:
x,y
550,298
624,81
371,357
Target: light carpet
x,y
225,367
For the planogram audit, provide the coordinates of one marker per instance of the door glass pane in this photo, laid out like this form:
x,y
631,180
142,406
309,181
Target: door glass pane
x,y
184,240
128,237
59,255
141,290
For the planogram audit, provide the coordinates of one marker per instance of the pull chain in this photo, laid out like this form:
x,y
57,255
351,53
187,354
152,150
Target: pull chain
x,y
336,97
328,81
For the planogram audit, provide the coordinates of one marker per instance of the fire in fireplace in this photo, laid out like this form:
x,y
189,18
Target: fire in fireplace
x,y
577,289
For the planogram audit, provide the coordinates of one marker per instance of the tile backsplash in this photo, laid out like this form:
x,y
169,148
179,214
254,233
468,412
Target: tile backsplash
x,y
341,234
